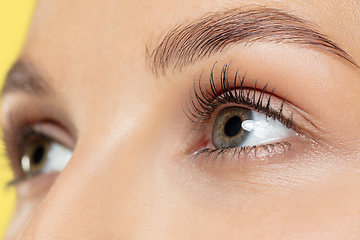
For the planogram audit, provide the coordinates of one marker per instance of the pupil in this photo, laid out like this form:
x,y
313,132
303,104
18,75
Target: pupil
x,y
233,126
38,155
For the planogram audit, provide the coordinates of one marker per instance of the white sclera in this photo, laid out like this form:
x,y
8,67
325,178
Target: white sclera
x,y
57,158
263,129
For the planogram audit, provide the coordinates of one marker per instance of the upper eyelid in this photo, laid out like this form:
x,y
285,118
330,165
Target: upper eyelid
x,y
18,133
19,124
21,113
232,93
57,133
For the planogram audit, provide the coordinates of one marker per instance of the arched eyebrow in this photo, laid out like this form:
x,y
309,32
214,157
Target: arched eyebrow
x,y
212,33
25,77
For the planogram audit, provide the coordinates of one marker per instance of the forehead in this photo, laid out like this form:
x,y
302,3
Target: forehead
x,y
74,26
92,40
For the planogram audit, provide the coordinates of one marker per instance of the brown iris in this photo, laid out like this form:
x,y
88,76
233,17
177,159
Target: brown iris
x,y
35,157
227,130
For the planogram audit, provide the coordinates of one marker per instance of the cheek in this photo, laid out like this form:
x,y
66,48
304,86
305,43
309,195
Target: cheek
x,y
30,195
318,196
159,198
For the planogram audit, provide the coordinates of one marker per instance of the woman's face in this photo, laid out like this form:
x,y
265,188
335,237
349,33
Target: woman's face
x,y
187,120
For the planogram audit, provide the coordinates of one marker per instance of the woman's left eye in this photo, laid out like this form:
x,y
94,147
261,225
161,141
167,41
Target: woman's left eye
x,y
240,127
240,118
44,156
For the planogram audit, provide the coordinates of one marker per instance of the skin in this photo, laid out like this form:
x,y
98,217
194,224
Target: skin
x,y
130,176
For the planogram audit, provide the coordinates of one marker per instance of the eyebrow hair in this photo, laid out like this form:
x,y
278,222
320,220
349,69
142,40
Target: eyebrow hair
x,y
24,77
212,33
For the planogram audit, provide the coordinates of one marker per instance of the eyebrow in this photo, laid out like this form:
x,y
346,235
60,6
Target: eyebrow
x,y
25,77
212,33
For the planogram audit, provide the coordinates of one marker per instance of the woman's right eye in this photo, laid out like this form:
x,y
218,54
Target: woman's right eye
x,y
44,156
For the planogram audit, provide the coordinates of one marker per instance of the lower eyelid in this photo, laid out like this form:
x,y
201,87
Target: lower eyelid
x,y
273,153
36,186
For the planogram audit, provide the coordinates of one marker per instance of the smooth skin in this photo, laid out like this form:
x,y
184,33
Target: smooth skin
x,y
131,176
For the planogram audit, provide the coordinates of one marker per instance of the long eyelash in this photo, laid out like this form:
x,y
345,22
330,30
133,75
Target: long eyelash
x,y
203,103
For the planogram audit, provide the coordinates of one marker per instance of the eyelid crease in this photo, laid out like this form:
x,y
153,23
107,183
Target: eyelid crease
x,y
53,131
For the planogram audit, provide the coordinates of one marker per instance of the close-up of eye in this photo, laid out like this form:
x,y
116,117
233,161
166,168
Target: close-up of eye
x,y
44,156
237,118
239,127
33,151
192,119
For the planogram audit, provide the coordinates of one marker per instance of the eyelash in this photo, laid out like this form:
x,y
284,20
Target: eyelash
x,y
204,103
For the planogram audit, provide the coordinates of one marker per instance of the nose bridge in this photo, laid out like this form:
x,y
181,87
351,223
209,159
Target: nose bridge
x,y
103,182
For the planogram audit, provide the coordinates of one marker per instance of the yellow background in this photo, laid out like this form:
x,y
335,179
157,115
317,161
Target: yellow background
x,y
15,16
